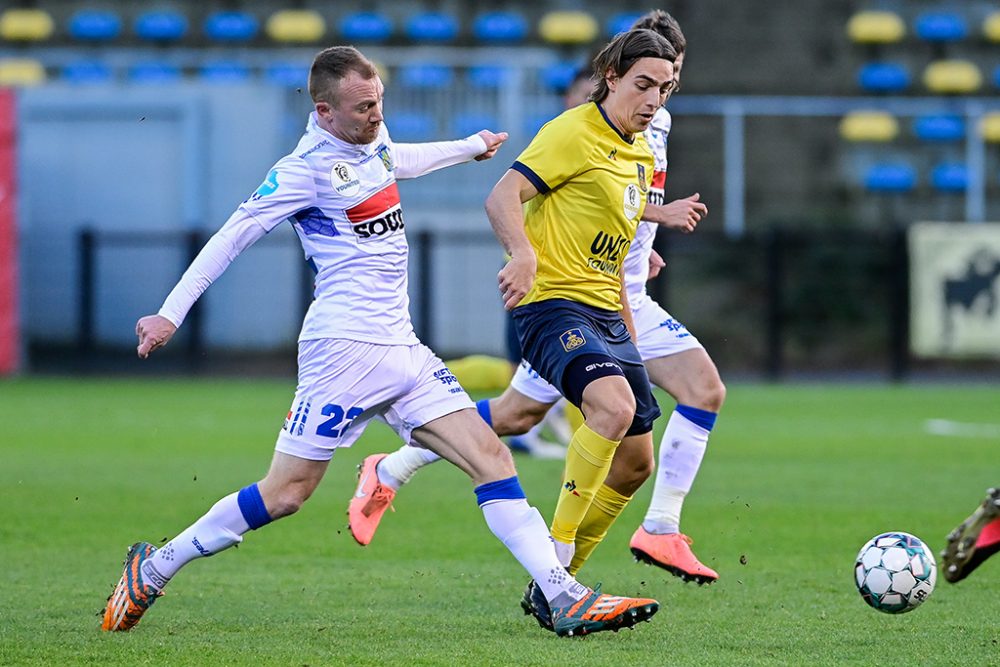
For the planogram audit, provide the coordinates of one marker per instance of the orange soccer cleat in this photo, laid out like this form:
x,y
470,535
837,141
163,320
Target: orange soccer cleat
x,y
370,501
597,612
131,598
673,553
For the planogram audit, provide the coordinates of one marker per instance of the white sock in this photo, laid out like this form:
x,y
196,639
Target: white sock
x,y
681,452
220,528
522,530
398,468
564,552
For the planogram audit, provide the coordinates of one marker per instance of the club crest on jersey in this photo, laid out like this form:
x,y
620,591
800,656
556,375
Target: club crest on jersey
x,y
631,201
572,339
344,179
268,187
642,177
386,156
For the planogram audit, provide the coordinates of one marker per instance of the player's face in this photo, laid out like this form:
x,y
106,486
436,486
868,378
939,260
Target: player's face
x,y
357,115
634,98
678,66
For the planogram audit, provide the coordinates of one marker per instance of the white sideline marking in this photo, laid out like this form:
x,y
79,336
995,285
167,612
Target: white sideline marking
x,y
948,427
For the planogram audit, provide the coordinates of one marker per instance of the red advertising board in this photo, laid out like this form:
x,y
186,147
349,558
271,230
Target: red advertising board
x,y
10,345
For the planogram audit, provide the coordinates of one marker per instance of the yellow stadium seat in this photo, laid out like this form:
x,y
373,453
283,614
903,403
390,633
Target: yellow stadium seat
x,y
990,127
874,126
568,27
21,72
991,27
25,25
953,77
876,27
299,26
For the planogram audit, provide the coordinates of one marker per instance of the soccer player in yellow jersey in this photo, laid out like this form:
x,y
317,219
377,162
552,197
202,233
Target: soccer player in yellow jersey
x,y
584,178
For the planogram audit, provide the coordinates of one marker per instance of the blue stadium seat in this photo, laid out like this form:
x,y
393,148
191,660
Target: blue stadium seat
x,y
883,78
472,122
621,22
161,26
87,72
293,75
224,71
432,27
488,76
941,26
425,75
500,28
231,27
890,177
93,25
558,76
950,177
154,71
411,126
365,27
939,128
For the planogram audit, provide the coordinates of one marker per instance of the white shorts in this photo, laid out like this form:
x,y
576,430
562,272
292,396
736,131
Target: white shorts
x,y
344,384
659,335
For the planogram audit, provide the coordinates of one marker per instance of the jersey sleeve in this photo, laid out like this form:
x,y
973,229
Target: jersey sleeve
x,y
557,153
288,189
413,160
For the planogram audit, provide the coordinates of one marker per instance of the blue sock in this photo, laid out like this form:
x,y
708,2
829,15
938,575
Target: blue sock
x,y
252,507
502,489
702,418
483,407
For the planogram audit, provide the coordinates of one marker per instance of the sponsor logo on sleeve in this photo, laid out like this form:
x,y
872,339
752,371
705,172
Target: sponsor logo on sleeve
x,y
268,187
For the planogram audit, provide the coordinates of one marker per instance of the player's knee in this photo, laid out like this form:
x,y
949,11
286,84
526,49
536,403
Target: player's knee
x,y
713,395
612,416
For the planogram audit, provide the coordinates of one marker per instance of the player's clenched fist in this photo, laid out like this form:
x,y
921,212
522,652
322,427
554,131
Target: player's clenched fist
x,y
154,331
493,141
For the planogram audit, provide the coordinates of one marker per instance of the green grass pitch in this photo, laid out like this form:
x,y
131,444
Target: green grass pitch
x,y
796,479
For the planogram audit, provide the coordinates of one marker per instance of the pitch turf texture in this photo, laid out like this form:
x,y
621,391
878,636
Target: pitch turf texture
x,y
796,479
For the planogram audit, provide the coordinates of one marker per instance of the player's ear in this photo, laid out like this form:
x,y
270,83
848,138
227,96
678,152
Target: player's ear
x,y
611,79
323,109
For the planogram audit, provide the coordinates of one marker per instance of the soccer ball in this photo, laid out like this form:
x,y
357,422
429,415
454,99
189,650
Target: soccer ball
x,y
895,572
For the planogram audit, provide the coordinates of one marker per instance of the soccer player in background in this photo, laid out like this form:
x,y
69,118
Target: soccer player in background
x,y
674,359
359,358
974,540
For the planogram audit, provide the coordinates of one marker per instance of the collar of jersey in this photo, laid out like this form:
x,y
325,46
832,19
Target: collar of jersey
x,y
313,127
627,140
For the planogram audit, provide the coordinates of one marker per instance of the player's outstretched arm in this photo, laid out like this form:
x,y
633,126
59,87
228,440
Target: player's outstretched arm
x,y
415,160
681,214
154,331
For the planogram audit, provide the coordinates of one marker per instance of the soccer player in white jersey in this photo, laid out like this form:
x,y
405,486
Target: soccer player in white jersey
x,y
674,360
358,356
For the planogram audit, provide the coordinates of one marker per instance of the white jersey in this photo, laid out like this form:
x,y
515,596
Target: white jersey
x,y
343,202
636,266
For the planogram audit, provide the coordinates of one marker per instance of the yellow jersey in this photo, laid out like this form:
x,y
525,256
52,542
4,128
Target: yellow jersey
x,y
592,183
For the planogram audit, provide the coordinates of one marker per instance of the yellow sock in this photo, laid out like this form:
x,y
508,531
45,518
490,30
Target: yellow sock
x,y
588,459
574,417
607,505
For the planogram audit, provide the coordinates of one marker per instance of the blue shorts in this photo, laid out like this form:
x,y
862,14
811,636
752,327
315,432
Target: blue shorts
x,y
556,332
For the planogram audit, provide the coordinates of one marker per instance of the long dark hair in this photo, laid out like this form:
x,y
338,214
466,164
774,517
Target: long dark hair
x,y
622,52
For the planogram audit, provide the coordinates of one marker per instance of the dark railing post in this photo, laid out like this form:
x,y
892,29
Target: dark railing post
x,y
774,254
193,322
425,290
86,248
899,305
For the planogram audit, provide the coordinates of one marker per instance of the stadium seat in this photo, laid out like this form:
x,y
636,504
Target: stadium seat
x,y
534,121
161,26
425,75
557,76
93,25
939,128
87,72
996,77
500,28
224,71
950,177
876,27
292,75
991,28
941,26
883,78
470,122
890,177
488,76
365,27
21,72
621,22
154,72
231,27
26,25
869,126
989,127
296,26
952,77
436,27
411,126
568,27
